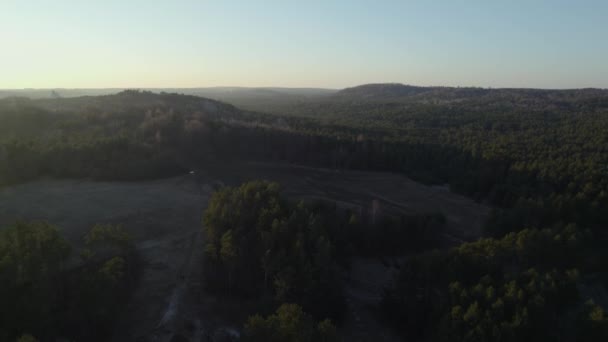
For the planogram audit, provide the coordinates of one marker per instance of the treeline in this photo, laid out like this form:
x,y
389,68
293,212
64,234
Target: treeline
x,y
49,292
289,323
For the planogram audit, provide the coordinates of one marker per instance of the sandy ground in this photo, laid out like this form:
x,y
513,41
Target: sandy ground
x,y
164,218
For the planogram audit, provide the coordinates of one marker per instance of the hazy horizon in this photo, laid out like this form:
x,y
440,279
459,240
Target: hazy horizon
x,y
286,87
333,45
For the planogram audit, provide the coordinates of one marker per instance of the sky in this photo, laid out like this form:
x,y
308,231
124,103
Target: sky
x,y
330,44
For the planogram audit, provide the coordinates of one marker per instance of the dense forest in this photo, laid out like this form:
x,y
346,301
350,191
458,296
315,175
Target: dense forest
x,y
539,157
50,291
260,244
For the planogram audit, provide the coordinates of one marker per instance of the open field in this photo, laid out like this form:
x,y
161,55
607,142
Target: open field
x,y
394,193
164,218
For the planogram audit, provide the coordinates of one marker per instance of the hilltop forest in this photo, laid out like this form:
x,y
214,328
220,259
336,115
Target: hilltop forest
x,y
539,158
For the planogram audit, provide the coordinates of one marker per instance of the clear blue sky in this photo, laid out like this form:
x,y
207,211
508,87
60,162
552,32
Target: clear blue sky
x,y
112,43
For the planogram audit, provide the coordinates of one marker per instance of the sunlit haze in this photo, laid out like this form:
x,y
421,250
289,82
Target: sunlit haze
x,y
333,44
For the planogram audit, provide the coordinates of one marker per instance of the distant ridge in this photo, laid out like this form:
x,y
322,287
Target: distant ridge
x,y
383,90
396,92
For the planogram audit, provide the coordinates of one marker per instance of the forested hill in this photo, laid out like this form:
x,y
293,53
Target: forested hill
x,y
129,135
367,103
23,117
395,92
123,101
258,99
528,148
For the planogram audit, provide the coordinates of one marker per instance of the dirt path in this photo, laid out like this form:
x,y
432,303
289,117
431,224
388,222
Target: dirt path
x,y
168,326
368,278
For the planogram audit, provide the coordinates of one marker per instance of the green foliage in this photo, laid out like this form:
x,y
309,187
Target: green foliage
x,y
113,236
520,309
30,252
592,323
31,256
27,338
113,270
41,294
227,250
257,242
513,289
288,324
